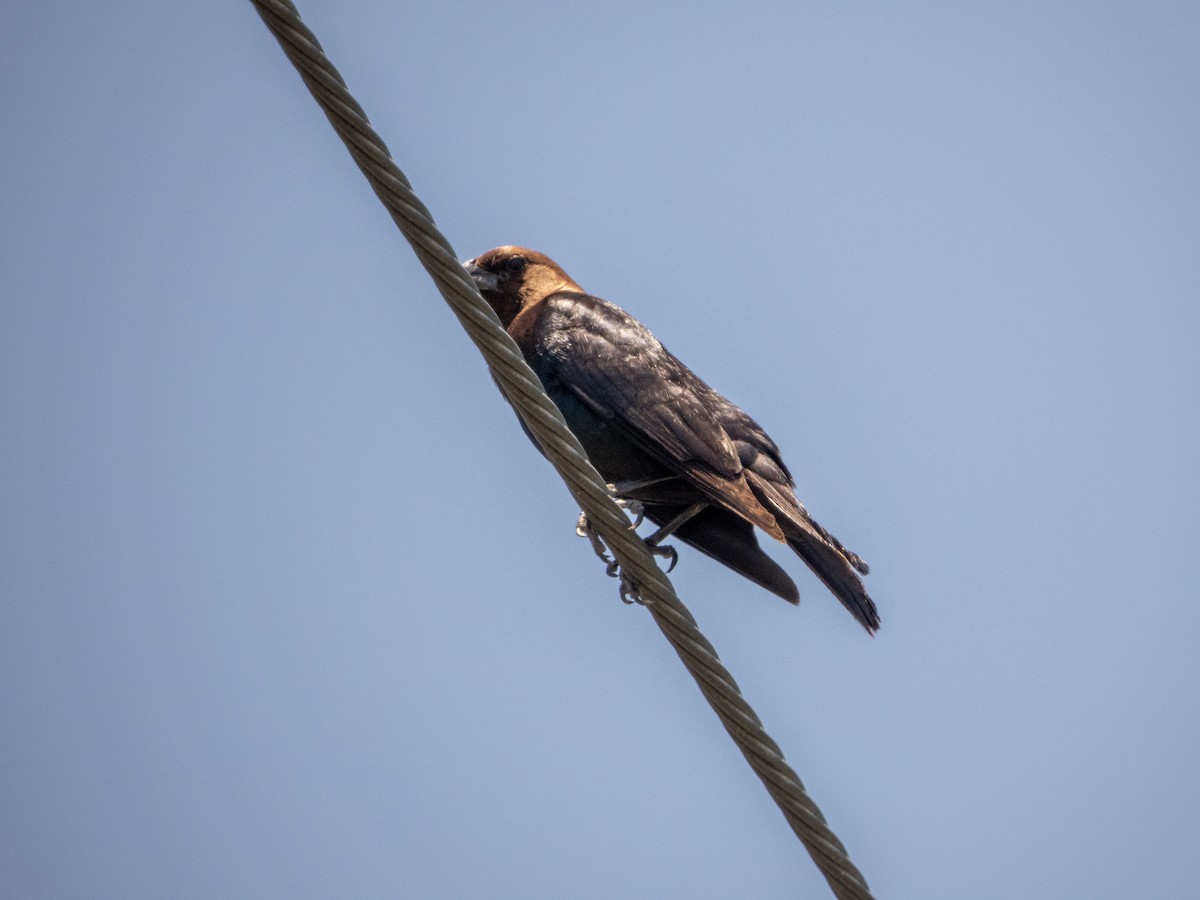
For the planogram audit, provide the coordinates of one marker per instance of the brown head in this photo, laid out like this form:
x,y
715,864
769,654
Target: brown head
x,y
511,278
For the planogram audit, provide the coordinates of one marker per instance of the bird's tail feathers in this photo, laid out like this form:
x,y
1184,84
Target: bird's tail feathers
x,y
836,566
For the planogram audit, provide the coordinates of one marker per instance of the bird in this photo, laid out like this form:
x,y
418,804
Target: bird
x,y
689,459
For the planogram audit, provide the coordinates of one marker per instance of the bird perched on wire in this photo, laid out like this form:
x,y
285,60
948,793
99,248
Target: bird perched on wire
x,y
694,463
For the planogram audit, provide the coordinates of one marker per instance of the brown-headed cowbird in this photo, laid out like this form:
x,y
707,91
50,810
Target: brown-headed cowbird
x,y
700,467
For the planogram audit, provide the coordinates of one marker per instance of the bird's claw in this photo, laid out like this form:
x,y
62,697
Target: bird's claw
x,y
584,529
629,590
634,507
666,552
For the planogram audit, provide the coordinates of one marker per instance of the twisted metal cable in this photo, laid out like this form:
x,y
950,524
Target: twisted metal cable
x,y
524,391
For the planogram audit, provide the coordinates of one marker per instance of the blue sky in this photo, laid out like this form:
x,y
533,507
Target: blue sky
x,y
290,607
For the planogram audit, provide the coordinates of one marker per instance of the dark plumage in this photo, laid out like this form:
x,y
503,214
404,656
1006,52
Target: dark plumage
x,y
642,415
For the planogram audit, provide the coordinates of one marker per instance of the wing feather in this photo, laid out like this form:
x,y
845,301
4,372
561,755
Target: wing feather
x,y
620,371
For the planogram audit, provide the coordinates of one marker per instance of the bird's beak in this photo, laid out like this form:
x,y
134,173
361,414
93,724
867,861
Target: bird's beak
x,y
484,280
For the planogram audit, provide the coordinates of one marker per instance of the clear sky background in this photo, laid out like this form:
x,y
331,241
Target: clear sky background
x,y
289,607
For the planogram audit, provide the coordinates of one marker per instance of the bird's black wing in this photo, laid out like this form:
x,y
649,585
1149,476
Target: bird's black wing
x,y
615,366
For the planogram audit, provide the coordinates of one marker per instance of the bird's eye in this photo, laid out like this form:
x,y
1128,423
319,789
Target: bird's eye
x,y
514,265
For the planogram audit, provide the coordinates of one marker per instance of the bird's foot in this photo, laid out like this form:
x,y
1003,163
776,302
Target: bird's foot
x,y
583,528
666,551
629,590
634,507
